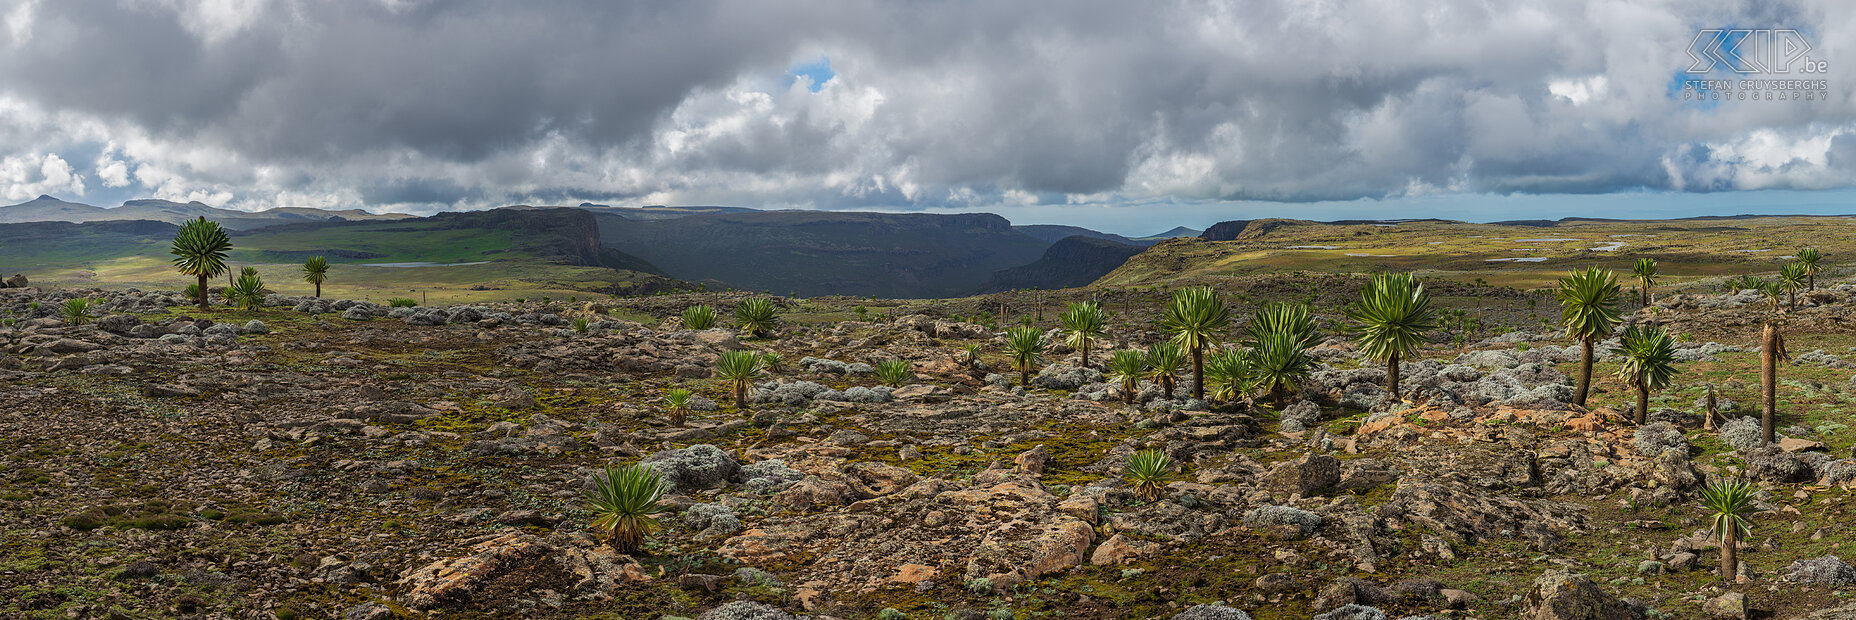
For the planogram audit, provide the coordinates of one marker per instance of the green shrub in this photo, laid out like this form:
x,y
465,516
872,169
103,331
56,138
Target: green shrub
x,y
894,372
757,315
579,324
247,291
78,310
1145,472
679,401
699,317
402,302
625,504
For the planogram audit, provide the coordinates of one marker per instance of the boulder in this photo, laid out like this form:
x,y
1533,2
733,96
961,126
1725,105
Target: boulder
x,y
1729,606
512,560
1211,612
697,467
1773,464
1353,612
1303,477
1559,595
1829,570
746,610
17,281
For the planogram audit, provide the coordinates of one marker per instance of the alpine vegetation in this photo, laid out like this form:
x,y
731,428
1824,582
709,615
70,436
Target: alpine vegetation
x,y
625,503
199,250
699,317
1390,320
1589,311
1194,319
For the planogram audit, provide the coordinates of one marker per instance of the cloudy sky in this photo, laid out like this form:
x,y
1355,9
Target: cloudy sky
x,y
1130,116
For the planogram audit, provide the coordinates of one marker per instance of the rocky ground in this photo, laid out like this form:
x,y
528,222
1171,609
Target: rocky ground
x,y
339,459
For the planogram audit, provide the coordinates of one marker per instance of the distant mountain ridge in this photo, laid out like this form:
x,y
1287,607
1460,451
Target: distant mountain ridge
x,y
50,209
897,255
1070,262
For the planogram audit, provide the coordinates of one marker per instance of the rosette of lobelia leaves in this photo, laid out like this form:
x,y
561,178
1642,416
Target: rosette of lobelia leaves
x,y
1026,346
1126,368
246,291
1277,317
1730,505
1645,272
199,250
1589,311
1390,320
740,369
79,310
316,271
894,372
1082,324
1649,363
1813,262
678,400
1164,362
1146,472
758,315
1195,318
699,317
625,503
1231,374
1792,278
1279,362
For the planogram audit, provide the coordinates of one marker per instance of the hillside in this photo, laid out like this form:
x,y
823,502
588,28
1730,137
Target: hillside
x,y
1526,254
828,253
49,209
473,255
1054,232
1070,262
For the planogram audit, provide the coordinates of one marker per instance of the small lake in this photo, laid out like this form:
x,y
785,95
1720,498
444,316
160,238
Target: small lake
x,y
420,264
1530,259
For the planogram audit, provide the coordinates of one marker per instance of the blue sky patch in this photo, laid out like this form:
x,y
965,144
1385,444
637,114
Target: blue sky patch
x,y
819,71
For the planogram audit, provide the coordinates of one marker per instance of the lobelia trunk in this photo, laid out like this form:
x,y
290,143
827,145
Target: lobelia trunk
x,y
1085,353
1643,401
1769,345
1392,375
1198,373
318,289
203,293
1730,554
1585,371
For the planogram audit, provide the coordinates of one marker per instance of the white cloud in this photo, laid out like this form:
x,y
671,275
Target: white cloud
x,y
25,177
18,19
1001,102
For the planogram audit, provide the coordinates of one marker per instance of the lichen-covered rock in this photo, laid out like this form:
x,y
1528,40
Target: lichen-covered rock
x,y
769,477
746,610
1299,416
1772,464
712,516
1064,377
1353,612
1264,516
1653,439
700,466
1829,570
1211,612
1741,433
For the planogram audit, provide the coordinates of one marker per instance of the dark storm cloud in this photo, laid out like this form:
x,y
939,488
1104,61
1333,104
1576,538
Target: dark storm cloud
x,y
466,104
